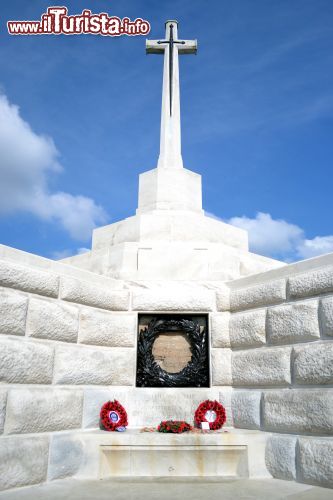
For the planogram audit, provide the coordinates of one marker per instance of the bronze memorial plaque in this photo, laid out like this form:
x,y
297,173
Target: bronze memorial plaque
x,y
172,351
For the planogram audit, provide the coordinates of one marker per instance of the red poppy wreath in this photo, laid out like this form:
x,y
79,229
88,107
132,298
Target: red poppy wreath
x,y
211,412
113,416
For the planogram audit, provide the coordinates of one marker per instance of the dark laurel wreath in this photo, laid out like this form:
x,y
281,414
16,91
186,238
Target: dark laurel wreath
x,y
150,374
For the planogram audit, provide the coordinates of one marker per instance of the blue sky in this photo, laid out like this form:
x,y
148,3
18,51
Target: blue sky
x,y
80,117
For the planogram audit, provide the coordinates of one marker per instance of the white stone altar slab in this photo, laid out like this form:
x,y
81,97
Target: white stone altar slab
x,y
225,453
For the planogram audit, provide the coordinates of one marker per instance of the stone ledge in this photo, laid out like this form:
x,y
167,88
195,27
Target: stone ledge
x,y
173,300
298,411
107,328
82,292
263,294
315,461
52,320
311,283
248,329
13,312
280,456
85,365
23,461
260,367
291,323
313,364
24,362
28,279
43,410
246,409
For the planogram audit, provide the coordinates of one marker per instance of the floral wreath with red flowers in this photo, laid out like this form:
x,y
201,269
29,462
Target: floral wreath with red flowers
x,y
174,426
212,412
113,416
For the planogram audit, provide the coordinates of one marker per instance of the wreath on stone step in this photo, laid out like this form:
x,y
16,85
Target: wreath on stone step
x,y
113,416
212,412
150,374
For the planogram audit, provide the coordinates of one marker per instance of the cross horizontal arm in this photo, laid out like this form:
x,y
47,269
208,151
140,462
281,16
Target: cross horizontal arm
x,y
189,47
153,47
184,46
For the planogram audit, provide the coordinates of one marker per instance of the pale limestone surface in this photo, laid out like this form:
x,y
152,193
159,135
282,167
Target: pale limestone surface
x,y
173,299
221,366
148,406
86,365
13,312
313,364
43,410
107,328
262,294
219,329
223,299
259,367
28,279
315,461
299,411
23,461
24,362
280,456
293,323
66,455
148,489
246,409
82,292
248,329
3,400
53,320
326,315
311,283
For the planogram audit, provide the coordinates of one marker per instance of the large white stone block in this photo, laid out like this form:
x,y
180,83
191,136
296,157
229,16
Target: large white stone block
x,y
299,411
248,329
66,455
225,394
28,279
13,312
83,292
3,401
85,365
221,366
52,320
173,299
263,294
246,409
311,283
280,456
43,410
220,329
223,299
291,323
315,461
259,367
313,364
326,316
23,461
107,328
23,362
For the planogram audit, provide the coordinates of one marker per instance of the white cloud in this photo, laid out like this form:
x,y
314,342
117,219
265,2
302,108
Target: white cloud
x,y
317,246
26,161
280,239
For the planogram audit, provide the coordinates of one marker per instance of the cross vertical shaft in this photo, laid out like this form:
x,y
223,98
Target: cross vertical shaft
x,y
170,139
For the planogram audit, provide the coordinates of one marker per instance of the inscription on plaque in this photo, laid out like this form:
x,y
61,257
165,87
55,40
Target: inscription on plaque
x,y
172,351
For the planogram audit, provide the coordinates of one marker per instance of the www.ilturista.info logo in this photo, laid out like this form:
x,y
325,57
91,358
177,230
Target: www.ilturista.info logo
x,y
56,21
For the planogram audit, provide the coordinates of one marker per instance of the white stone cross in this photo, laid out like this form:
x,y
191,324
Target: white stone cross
x,y
170,144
